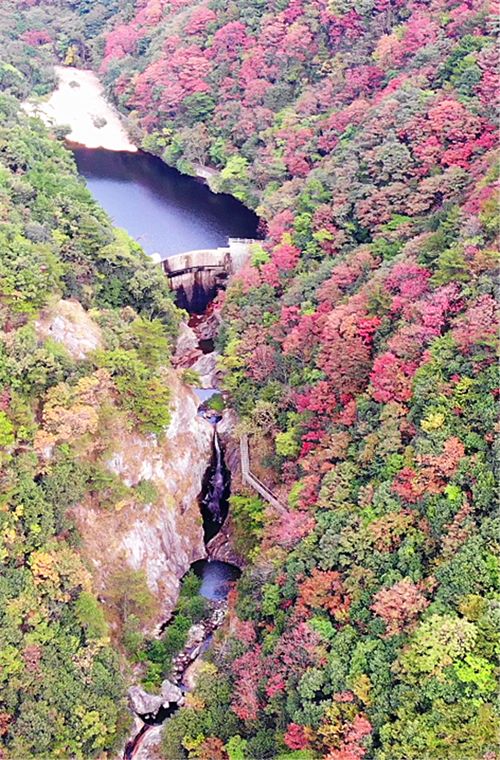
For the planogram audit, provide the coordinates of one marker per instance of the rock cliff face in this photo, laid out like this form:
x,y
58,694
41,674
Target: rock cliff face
x,y
165,537
227,429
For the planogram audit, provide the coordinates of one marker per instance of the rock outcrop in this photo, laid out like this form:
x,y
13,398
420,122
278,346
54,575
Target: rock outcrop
x,y
226,429
208,326
68,323
163,537
193,673
186,349
206,367
143,703
149,746
222,548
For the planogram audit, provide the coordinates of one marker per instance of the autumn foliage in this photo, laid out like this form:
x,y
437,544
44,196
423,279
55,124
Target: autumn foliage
x,y
358,348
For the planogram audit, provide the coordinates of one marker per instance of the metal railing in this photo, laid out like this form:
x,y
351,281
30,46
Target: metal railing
x,y
201,268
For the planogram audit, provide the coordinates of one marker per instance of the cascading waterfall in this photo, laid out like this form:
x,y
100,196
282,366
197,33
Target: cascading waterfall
x,y
217,485
216,576
216,488
170,213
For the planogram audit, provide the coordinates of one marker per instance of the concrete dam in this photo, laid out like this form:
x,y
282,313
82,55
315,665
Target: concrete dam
x,y
196,276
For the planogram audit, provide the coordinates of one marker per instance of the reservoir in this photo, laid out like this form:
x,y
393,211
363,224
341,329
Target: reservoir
x,y
165,211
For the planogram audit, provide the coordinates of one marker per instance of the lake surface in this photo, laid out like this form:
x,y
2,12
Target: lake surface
x,y
165,211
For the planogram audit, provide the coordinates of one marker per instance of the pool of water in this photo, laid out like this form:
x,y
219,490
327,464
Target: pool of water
x,y
216,578
206,393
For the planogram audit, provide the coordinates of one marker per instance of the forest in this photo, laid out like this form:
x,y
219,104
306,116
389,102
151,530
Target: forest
x,y
358,349
62,681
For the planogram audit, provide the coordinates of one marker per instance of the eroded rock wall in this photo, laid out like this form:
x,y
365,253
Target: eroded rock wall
x,y
67,322
222,545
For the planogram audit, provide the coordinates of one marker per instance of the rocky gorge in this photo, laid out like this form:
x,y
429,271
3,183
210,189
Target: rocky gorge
x,y
167,536
163,537
151,710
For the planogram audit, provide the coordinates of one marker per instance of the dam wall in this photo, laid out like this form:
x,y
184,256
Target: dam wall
x,y
196,276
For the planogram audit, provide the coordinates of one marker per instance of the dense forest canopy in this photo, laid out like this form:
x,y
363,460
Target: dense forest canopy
x,y
358,349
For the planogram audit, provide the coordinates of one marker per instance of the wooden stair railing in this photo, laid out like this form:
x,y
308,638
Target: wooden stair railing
x,y
253,481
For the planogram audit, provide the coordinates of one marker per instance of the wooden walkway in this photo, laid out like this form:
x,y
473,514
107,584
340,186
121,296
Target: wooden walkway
x,y
253,481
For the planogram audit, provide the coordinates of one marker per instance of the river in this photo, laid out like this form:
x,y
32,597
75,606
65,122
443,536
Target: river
x,y
165,211
216,578
168,213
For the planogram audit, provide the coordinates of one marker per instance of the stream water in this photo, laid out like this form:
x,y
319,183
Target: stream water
x,y
216,578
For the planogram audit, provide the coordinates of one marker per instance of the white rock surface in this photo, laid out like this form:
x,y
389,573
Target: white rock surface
x,y
196,634
150,746
206,367
164,538
186,349
143,703
192,674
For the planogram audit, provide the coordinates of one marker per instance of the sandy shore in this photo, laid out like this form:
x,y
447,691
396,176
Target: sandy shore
x,y
79,102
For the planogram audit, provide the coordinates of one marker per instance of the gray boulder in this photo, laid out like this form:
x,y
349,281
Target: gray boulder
x,y
143,703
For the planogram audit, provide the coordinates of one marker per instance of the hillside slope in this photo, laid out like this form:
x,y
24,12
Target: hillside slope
x,y
87,328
